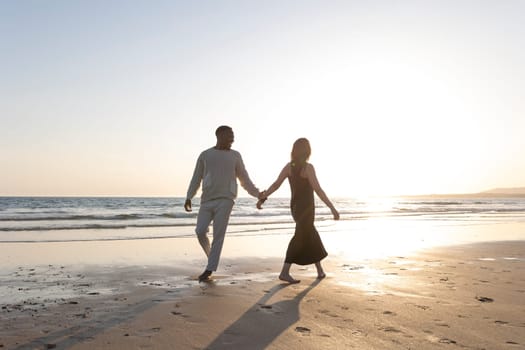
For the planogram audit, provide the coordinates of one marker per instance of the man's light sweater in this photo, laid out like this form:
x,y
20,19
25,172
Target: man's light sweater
x,y
218,171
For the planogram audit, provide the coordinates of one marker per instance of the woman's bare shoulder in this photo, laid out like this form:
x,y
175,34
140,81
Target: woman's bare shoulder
x,y
286,170
309,171
287,166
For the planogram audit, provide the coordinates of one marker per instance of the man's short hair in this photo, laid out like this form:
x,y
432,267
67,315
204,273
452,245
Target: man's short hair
x,y
221,129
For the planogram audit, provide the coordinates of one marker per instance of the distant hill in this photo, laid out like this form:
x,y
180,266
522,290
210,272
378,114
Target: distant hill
x,y
509,190
493,193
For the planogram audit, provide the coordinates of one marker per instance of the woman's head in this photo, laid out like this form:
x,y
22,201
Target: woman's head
x,y
301,152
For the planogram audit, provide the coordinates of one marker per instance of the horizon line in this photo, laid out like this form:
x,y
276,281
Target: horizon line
x,y
487,193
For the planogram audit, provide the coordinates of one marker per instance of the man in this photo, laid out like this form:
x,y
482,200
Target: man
x,y
218,169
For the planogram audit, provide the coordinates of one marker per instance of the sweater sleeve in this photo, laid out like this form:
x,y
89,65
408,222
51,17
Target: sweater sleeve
x,y
196,178
244,179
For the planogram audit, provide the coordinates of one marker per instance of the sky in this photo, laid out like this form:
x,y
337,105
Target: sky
x,y
118,98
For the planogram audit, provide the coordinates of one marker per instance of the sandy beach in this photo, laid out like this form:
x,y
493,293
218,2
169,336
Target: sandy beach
x,y
143,295
394,128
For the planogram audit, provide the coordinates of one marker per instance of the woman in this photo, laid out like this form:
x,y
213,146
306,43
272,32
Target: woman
x,y
305,247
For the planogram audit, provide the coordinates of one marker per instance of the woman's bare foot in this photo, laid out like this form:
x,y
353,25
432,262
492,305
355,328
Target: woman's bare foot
x,y
320,276
288,278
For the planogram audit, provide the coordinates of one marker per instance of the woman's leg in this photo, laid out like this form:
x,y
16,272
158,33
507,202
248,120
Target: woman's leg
x,y
285,274
320,272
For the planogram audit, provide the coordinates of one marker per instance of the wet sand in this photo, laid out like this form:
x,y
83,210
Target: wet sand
x,y
464,296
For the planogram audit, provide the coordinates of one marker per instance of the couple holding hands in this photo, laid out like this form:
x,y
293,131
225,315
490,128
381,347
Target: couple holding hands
x,y
218,169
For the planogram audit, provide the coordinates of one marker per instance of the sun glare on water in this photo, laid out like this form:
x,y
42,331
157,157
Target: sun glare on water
x,y
379,234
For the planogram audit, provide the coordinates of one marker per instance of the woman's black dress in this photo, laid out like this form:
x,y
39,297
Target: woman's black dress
x,y
305,247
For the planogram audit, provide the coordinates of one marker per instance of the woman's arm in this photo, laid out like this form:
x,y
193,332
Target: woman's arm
x,y
312,178
275,186
282,176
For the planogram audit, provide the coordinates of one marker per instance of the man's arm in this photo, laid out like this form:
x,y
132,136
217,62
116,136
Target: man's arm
x,y
194,183
244,179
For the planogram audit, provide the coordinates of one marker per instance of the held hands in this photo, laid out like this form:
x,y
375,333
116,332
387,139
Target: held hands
x,y
187,205
260,203
262,198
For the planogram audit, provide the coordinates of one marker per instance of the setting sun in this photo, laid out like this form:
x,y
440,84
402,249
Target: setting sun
x,y
392,101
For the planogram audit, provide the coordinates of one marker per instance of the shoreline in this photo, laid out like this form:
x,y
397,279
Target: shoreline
x,y
470,295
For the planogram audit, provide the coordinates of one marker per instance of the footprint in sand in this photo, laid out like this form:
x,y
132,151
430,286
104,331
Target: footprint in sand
x,y
484,299
352,268
441,324
328,313
510,342
270,309
389,329
423,307
148,332
435,339
390,313
302,330
358,333
447,341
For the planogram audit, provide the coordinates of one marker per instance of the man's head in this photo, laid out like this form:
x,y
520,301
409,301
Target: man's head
x,y
225,137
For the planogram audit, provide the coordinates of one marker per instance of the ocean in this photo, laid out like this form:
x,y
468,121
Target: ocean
x,y
63,219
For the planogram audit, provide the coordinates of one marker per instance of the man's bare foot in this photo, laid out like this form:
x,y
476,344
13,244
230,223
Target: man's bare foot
x,y
289,279
205,276
320,276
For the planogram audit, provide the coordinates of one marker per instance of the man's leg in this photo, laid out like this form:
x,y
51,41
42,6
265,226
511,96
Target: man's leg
x,y
223,209
203,223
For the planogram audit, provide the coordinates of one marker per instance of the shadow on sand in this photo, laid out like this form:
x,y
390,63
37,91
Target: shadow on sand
x,y
262,323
